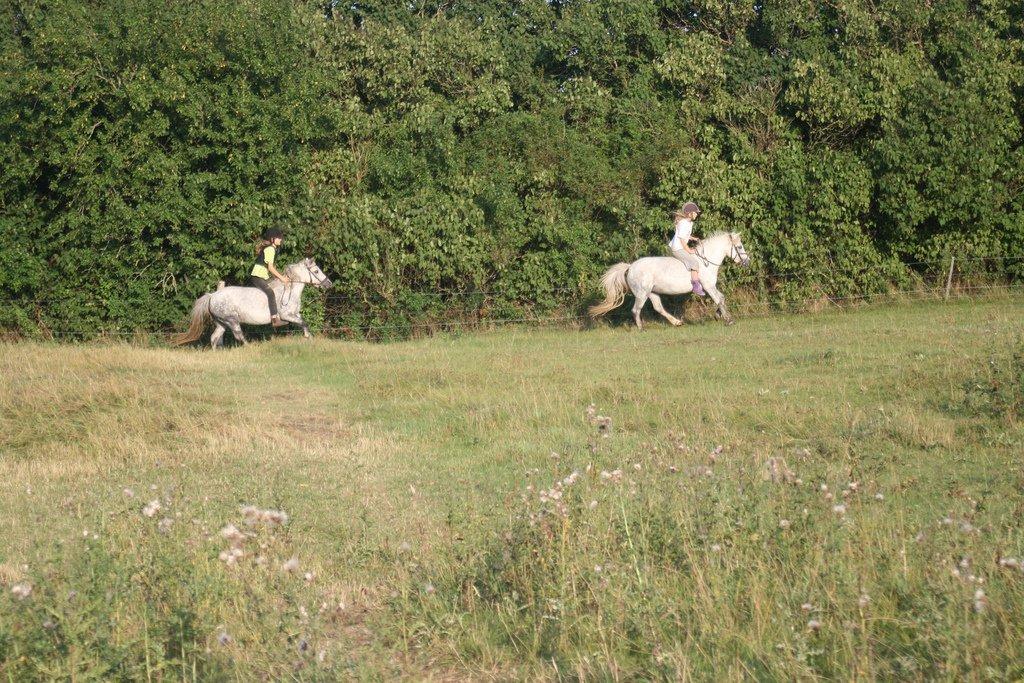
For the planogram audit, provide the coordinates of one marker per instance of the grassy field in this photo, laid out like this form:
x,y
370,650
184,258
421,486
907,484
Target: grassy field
x,y
836,495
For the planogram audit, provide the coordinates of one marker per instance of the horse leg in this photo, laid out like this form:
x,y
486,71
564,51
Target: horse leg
x,y
656,302
217,338
641,299
297,319
722,312
236,330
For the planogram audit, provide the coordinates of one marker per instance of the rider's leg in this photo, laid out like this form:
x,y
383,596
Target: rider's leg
x,y
264,286
698,289
692,263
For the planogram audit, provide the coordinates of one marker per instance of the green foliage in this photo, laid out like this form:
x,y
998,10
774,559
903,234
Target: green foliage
x,y
422,150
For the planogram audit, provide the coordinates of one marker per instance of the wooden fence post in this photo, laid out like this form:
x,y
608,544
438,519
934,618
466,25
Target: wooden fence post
x,y
949,278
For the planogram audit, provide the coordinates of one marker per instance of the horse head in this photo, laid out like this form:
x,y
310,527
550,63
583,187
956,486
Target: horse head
x,y
309,273
736,251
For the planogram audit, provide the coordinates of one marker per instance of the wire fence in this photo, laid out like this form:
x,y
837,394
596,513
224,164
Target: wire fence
x,y
745,303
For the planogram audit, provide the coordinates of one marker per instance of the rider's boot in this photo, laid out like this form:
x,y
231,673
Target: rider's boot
x,y
276,321
698,289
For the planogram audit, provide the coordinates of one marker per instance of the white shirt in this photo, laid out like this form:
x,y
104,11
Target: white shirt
x,y
684,228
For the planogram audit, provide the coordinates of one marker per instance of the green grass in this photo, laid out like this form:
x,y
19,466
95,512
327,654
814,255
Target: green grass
x,y
412,476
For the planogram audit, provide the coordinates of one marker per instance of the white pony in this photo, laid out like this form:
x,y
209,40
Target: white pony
x,y
230,307
652,276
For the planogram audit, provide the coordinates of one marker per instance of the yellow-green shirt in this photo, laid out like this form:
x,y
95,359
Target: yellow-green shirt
x,y
266,258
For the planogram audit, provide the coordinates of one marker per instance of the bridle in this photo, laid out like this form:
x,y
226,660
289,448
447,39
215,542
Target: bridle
x,y
288,288
736,253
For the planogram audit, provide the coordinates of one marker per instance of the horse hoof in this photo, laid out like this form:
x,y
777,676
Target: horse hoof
x,y
677,323
729,321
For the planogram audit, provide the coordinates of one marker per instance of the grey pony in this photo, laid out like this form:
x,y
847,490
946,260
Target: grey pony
x,y
231,307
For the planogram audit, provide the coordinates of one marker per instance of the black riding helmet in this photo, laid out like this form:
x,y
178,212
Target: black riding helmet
x,y
272,233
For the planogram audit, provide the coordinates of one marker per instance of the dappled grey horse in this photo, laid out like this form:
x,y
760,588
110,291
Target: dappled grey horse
x,y
231,307
652,276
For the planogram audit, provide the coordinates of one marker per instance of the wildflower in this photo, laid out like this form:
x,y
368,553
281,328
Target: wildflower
x,y
223,638
967,527
920,537
604,425
21,590
807,607
1011,562
829,496
309,576
232,533
946,521
592,505
839,509
853,485
863,600
291,565
49,625
813,625
778,472
636,466
164,526
128,493
571,479
980,601
824,487
879,496
231,555
429,589
598,569
254,515
152,507
615,476
716,548
783,524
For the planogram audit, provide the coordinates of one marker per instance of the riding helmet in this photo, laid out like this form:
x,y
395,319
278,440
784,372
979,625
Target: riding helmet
x,y
272,233
690,206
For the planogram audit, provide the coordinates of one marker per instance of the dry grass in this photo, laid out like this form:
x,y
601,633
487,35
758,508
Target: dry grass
x,y
411,474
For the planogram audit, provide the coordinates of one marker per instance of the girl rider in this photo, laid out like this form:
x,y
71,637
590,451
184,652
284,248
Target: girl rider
x,y
681,241
264,268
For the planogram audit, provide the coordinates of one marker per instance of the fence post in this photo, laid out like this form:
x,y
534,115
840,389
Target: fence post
x,y
949,278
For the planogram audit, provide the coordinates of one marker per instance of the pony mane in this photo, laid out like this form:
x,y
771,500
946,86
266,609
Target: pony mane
x,y
720,234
